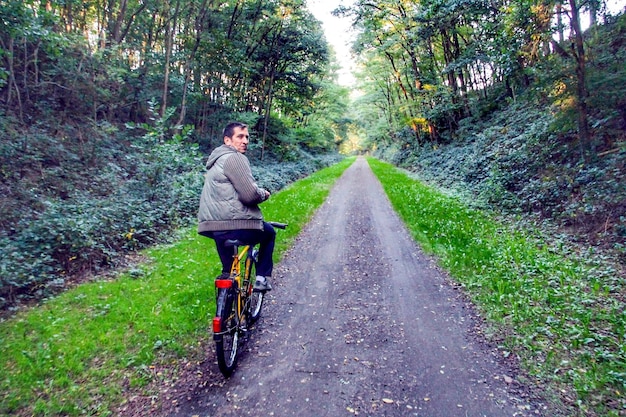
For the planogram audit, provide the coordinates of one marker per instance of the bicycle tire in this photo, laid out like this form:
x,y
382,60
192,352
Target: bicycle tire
x,y
255,302
227,340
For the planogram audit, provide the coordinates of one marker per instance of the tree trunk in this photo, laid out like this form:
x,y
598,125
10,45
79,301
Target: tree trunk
x,y
117,29
169,41
581,88
166,73
448,58
559,21
198,28
12,83
268,108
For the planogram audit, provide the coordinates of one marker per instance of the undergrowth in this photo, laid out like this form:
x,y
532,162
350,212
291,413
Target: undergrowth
x,y
74,207
513,163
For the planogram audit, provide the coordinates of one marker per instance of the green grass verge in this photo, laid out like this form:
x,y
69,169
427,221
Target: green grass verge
x,y
78,353
564,319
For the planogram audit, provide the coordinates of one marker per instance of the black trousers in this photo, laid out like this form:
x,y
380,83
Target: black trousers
x,y
265,238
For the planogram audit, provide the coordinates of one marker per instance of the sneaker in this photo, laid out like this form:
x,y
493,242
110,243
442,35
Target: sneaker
x,y
262,284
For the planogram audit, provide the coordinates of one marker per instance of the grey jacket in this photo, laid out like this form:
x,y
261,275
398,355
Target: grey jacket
x,y
230,196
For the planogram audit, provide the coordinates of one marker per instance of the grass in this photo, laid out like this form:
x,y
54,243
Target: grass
x,y
81,352
564,319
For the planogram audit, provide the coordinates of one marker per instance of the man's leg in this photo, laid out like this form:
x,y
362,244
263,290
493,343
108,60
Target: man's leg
x,y
265,238
225,253
265,265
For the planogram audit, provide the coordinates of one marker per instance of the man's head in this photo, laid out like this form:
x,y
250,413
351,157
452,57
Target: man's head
x,y
236,135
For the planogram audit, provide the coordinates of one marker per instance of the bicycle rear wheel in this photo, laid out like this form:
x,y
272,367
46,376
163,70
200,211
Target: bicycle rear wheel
x,y
225,331
256,297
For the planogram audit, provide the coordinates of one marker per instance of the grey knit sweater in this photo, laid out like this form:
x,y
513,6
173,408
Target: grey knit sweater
x,y
230,196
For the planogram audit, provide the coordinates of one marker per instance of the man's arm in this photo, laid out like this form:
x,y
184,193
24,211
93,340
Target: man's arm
x,y
237,170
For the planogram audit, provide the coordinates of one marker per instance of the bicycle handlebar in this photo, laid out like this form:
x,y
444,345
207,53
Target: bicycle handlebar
x,y
279,225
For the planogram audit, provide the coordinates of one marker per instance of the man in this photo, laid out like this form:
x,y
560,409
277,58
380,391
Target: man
x,y
229,204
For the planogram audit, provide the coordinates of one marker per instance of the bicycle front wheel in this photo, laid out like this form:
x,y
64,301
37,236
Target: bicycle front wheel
x,y
226,334
256,297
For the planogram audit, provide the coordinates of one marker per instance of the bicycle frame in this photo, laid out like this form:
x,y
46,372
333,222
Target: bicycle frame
x,y
238,279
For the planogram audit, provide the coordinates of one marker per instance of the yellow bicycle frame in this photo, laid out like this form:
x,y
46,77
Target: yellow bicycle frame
x,y
237,275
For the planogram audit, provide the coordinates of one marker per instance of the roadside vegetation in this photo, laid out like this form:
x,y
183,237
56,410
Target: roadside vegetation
x,y
561,314
63,224
520,113
87,350
104,130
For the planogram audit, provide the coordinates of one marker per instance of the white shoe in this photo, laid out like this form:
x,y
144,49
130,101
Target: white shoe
x,y
262,284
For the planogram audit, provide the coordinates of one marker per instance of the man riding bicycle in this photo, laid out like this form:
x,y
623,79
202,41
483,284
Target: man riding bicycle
x,y
229,204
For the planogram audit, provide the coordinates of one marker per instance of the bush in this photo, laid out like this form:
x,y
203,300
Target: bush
x,y
514,162
274,175
138,190
89,231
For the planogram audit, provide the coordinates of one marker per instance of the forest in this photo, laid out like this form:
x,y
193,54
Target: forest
x,y
108,109
108,106
520,105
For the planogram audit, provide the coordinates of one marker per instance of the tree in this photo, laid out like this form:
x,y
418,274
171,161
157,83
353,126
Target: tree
x,y
200,56
578,52
444,56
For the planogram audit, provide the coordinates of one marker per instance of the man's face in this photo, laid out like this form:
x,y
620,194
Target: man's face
x,y
239,140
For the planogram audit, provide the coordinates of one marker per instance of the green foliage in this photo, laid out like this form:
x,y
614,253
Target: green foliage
x,y
63,66
78,205
606,79
429,60
81,353
290,142
526,158
429,65
562,316
93,166
85,203
514,162
274,176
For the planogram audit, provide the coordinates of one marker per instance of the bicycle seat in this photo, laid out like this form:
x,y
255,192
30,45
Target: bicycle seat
x,y
234,242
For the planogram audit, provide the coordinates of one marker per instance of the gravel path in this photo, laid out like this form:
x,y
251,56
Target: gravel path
x,y
360,322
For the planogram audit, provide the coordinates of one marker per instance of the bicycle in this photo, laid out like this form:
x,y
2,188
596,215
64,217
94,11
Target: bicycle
x,y
238,306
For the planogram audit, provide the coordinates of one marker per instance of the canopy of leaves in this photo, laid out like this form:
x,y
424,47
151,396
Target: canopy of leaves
x,y
427,65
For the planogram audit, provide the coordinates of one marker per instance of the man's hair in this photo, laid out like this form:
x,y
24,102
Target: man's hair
x,y
229,130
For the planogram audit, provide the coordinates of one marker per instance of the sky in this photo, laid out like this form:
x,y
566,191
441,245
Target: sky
x,y
338,34
616,6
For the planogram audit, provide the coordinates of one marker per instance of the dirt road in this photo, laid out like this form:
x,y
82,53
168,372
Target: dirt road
x,y
360,322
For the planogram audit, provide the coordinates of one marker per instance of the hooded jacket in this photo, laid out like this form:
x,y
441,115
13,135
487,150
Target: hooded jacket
x,y
230,196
